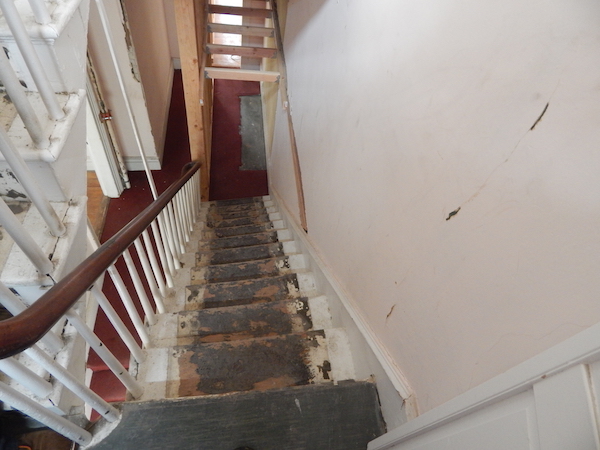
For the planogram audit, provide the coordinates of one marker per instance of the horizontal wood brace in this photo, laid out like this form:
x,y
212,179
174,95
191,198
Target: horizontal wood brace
x,y
241,29
256,52
217,73
239,11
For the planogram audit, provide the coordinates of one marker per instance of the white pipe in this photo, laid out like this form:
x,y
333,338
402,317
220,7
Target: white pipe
x,y
36,411
15,306
171,233
129,305
71,383
25,377
29,183
17,95
38,73
139,287
160,306
25,242
116,321
158,275
42,16
180,198
109,359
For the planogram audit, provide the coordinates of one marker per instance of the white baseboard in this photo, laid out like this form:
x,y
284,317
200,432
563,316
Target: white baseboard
x,y
135,163
370,357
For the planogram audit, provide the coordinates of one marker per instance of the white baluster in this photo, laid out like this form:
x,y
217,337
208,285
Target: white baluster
x,y
25,377
158,274
158,300
71,383
120,327
129,305
165,260
139,287
52,420
109,359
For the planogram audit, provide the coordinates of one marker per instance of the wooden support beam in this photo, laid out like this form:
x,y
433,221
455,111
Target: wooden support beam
x,y
239,11
255,52
186,17
241,29
217,73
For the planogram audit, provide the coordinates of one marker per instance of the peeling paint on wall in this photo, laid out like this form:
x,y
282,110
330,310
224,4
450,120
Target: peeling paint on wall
x,y
135,70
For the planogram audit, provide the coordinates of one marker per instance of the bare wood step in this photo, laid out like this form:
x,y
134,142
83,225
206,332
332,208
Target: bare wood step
x,y
243,322
241,29
256,52
240,11
222,73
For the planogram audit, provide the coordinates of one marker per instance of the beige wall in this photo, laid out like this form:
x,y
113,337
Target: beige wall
x,y
148,27
405,112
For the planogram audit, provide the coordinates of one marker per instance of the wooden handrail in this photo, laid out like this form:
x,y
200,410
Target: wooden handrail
x,y
24,330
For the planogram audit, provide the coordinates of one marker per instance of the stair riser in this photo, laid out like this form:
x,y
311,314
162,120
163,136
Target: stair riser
x,y
243,254
245,240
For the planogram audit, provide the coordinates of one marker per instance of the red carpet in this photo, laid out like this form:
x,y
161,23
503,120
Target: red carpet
x,y
227,181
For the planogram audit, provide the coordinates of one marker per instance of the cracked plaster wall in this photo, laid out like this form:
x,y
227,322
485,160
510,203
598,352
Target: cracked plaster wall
x,y
449,152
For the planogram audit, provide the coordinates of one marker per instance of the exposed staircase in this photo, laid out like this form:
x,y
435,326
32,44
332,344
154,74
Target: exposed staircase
x,y
255,360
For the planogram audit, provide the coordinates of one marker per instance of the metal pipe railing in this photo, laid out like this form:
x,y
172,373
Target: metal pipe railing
x,y
17,95
36,69
40,12
24,240
32,188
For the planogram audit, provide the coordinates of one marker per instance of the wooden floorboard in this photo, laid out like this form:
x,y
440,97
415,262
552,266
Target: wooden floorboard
x,y
97,203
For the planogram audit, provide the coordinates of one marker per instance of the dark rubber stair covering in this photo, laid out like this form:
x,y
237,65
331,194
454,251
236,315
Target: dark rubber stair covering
x,y
232,255
240,271
244,365
245,321
210,233
224,214
244,240
237,222
314,417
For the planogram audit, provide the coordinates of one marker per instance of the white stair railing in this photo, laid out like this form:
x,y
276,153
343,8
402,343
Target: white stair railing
x,y
183,203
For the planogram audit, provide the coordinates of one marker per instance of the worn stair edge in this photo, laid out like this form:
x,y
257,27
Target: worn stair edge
x,y
248,269
231,293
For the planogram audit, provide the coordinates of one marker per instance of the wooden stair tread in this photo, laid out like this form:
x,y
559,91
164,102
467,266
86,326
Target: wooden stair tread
x,y
240,11
211,233
236,222
241,50
218,214
240,29
224,73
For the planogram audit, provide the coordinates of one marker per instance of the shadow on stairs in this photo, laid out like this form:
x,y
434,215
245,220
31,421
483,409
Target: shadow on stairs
x,y
248,356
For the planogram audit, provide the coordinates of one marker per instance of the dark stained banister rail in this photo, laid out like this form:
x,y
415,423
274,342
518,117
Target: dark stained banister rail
x,y
24,330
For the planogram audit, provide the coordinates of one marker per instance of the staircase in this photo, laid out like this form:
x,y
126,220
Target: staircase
x,y
245,354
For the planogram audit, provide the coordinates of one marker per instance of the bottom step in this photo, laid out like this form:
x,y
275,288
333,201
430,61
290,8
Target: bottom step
x,y
314,417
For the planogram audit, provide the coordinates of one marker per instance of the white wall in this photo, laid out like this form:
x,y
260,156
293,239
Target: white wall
x,y
148,27
405,112
113,96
